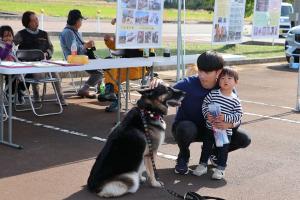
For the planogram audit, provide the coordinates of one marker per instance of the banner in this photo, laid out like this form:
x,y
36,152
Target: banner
x,y
266,19
139,24
228,21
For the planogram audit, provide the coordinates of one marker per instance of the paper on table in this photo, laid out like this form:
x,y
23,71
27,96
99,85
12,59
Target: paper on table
x,y
9,64
61,63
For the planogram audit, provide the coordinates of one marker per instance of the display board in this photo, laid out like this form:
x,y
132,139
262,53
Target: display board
x,y
139,24
266,19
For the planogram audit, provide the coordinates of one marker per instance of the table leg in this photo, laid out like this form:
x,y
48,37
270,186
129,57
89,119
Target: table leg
x,y
9,142
127,88
1,106
119,97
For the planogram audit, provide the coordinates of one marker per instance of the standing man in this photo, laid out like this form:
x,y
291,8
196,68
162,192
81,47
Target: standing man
x,y
70,35
33,38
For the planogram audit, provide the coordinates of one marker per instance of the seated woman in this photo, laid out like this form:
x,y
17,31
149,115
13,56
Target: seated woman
x,y
7,53
31,37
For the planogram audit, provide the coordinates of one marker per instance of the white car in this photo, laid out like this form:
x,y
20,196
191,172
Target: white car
x,y
292,44
285,23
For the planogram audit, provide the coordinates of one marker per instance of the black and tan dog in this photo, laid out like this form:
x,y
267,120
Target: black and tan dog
x,y
119,166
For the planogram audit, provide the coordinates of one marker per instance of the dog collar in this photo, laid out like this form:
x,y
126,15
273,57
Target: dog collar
x,y
152,115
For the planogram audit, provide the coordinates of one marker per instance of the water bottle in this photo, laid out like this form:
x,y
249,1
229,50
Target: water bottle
x,y
102,88
146,53
218,138
74,48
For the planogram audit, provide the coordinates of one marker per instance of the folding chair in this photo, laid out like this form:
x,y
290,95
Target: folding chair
x,y
38,55
70,73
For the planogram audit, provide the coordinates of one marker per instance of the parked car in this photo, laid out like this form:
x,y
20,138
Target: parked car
x,y
292,44
285,23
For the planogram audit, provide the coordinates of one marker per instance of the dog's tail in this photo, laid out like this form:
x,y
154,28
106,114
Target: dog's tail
x,y
125,183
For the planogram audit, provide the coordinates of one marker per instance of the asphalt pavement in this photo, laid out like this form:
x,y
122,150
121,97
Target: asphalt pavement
x,y
59,151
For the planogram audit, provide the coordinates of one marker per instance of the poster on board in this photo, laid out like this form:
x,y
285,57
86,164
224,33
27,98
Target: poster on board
x,y
139,24
266,19
228,21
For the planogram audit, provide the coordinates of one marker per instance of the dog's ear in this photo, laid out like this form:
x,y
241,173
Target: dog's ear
x,y
146,91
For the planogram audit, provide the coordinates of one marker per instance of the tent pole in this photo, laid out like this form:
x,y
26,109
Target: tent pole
x,y
179,46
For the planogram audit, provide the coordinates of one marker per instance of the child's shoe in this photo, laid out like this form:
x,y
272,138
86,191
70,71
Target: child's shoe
x,y
200,170
218,174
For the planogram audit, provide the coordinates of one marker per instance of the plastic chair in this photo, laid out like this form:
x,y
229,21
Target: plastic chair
x,y
38,55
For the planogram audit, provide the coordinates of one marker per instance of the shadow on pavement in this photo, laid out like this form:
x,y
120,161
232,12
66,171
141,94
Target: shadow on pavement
x,y
283,68
52,141
178,183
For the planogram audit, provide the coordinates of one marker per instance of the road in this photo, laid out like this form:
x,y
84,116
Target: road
x,y
200,33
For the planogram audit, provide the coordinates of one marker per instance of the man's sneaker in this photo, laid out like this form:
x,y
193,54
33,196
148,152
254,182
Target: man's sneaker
x,y
107,97
218,174
213,160
200,170
181,166
113,107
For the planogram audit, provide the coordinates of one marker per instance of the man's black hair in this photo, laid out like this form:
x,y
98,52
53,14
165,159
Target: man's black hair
x,y
5,28
26,18
210,61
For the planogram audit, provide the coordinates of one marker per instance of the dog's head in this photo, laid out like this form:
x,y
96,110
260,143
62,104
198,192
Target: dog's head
x,y
158,99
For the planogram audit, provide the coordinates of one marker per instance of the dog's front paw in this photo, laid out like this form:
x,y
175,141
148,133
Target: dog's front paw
x,y
155,183
143,179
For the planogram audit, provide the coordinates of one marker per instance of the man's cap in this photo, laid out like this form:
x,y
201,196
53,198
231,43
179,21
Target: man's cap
x,y
75,15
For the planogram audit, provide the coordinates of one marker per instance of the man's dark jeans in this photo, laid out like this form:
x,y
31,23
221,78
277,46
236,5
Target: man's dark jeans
x,y
186,132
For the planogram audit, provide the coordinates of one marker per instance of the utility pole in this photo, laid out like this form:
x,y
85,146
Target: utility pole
x,y
295,17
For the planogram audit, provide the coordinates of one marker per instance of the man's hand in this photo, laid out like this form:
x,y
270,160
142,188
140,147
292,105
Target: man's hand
x,y
210,118
220,117
221,124
155,82
89,44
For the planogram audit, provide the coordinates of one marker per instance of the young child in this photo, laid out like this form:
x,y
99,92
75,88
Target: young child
x,y
7,54
231,112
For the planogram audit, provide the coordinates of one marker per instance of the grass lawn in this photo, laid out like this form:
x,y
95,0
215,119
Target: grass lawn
x,y
250,51
108,10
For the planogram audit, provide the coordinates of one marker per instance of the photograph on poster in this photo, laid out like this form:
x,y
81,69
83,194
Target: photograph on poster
x,y
155,37
142,4
141,17
131,37
220,30
148,37
262,5
140,37
128,16
154,18
154,4
129,4
122,37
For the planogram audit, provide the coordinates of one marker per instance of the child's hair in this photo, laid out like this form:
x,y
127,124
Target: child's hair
x,y
5,28
210,61
229,71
